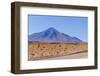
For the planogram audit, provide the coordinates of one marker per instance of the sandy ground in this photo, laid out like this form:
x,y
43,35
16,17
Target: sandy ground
x,y
57,51
73,56
81,55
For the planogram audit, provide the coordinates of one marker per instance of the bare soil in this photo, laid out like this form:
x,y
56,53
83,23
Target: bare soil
x,y
57,51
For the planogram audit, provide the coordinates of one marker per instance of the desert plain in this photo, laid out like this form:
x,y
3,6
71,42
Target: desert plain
x,y
41,51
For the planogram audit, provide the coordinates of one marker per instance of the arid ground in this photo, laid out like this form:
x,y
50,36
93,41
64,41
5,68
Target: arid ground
x,y
57,51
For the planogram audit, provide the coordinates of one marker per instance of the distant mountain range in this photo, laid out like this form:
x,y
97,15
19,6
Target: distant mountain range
x,y
51,35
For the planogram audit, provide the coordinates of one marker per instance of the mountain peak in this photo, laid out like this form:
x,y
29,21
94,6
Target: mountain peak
x,y
51,28
51,35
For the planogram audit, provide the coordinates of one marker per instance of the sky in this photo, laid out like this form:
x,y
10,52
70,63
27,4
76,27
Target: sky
x,y
70,25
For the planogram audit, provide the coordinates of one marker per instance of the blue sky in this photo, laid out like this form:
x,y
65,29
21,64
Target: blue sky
x,y
71,25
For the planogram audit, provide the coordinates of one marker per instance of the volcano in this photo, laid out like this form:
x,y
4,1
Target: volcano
x,y
51,35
